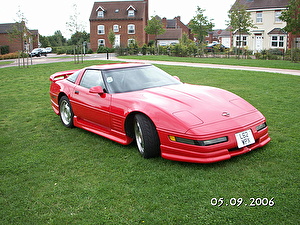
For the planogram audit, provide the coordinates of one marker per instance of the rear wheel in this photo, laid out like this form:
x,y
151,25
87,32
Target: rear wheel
x,y
65,112
146,136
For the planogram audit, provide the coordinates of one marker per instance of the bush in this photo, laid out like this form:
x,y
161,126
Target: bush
x,y
293,55
275,51
4,49
102,49
90,51
60,51
9,56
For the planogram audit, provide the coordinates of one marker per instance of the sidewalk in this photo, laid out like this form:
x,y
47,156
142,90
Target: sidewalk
x,y
53,58
216,66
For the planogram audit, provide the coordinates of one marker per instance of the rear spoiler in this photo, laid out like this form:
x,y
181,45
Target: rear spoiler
x,y
61,75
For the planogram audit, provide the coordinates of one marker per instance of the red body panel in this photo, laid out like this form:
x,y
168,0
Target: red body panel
x,y
185,111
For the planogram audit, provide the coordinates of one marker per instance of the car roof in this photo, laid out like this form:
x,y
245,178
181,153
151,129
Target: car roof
x,y
116,66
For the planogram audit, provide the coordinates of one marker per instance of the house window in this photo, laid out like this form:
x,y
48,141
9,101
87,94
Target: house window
x,y
131,41
277,15
241,42
131,29
101,42
131,13
259,17
297,42
277,41
116,28
100,14
101,29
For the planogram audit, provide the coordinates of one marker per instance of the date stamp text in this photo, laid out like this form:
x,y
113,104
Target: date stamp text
x,y
252,202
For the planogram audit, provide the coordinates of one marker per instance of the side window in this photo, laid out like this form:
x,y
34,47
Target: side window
x,y
73,77
92,78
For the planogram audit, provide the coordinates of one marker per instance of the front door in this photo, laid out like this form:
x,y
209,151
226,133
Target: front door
x,y
117,40
258,43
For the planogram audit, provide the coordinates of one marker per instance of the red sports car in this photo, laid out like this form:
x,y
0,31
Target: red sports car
x,y
132,101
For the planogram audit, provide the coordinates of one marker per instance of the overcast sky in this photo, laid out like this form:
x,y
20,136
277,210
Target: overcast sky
x,y
49,16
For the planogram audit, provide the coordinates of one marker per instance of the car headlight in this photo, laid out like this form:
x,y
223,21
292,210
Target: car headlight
x,y
197,142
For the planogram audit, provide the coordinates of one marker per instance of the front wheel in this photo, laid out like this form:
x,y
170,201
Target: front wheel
x,y
146,136
65,112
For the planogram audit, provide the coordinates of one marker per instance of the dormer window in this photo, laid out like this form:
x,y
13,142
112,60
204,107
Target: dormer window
x,y
100,12
131,11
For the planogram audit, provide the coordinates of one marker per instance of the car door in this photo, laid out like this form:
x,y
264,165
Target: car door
x,y
92,107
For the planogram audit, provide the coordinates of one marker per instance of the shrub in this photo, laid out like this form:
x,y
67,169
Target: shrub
x,y
102,49
14,55
90,51
275,51
293,55
4,49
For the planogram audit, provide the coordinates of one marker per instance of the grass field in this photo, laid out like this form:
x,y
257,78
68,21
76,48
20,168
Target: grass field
x,y
53,175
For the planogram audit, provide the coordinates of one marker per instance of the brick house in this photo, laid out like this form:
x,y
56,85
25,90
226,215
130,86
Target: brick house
x,y
220,36
174,31
127,19
268,32
29,42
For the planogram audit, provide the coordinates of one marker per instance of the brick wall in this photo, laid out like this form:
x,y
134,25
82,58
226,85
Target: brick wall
x,y
139,34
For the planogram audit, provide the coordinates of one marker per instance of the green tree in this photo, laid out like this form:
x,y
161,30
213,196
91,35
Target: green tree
x,y
155,27
19,31
44,41
57,39
200,25
79,37
111,37
292,17
74,25
240,22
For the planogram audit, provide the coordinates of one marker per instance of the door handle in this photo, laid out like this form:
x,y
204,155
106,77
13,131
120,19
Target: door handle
x,y
77,92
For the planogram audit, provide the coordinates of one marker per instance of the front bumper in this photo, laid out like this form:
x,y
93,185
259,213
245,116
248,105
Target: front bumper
x,y
208,154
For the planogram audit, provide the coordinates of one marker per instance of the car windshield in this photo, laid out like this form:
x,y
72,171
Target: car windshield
x,y
137,78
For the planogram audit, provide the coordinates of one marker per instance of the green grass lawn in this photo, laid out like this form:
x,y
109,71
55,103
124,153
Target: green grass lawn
x,y
5,62
53,175
280,64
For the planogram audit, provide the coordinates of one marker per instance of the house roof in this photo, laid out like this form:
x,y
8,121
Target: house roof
x,y
221,33
170,34
277,31
118,10
6,27
262,4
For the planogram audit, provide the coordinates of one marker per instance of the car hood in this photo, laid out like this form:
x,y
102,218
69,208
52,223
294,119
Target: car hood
x,y
194,105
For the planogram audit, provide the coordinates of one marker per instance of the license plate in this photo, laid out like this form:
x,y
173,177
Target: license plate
x,y
244,138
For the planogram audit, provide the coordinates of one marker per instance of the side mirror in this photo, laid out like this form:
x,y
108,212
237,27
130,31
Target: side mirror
x,y
97,90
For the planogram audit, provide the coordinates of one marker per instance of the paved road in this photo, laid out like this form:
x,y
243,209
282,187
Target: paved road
x,y
51,58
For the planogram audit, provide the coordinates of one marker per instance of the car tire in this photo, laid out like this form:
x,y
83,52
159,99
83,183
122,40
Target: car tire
x,y
146,136
65,112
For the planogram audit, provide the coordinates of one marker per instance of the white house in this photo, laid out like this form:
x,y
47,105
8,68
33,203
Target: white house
x,y
268,32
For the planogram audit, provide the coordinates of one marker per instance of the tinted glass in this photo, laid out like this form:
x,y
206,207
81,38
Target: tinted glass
x,y
137,78
92,78
73,77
